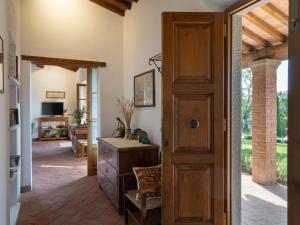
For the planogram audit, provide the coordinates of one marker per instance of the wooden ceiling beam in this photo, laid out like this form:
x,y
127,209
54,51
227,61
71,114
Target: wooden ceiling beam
x,y
39,65
279,52
273,11
247,46
123,3
109,6
69,63
255,37
251,17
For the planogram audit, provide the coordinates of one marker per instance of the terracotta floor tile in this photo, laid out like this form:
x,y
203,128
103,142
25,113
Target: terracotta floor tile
x,y
62,193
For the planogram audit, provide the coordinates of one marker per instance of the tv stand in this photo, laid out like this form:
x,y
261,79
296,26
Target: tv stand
x,y
53,128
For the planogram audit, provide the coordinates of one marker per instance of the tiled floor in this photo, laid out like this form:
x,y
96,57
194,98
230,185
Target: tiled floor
x,y
62,193
263,205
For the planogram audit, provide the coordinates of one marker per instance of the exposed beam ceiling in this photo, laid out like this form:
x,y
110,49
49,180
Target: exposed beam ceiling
x,y
265,27
279,52
247,47
255,37
69,64
116,6
276,13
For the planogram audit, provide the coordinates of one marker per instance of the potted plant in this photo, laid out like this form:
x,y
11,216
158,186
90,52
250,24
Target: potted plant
x,y
79,116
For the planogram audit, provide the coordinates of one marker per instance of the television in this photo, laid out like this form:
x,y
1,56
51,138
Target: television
x,y
52,108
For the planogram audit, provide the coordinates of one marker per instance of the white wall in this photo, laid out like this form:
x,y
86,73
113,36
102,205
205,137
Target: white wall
x,y
4,152
142,40
78,29
52,78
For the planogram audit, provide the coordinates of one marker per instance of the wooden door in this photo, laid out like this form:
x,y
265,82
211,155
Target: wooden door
x,y
92,147
293,116
193,118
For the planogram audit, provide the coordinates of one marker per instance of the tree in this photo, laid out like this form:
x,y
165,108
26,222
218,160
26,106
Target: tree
x,y
282,114
246,100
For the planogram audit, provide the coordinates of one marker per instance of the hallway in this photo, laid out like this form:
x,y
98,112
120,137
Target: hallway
x,y
62,193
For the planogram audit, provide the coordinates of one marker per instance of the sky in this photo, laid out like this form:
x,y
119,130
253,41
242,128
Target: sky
x,y
282,76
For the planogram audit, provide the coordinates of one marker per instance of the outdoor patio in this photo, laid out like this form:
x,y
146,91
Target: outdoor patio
x,y
263,205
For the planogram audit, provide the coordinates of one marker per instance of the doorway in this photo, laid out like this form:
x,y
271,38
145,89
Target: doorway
x,y
70,135
259,75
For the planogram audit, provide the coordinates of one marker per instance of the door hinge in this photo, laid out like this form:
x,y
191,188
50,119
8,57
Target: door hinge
x,y
225,30
225,125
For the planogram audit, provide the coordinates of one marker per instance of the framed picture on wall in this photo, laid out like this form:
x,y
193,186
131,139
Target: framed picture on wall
x,y
144,89
56,94
1,65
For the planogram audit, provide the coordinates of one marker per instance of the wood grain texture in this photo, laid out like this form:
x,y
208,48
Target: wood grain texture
x,y
254,36
116,6
92,154
42,61
265,27
114,164
293,124
276,13
193,166
279,52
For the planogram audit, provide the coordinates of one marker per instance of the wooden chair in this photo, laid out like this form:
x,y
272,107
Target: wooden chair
x,y
146,211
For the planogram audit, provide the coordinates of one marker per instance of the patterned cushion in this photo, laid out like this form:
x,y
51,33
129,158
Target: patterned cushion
x,y
148,181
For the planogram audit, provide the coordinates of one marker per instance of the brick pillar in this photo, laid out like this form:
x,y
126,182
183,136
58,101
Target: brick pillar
x,y
264,112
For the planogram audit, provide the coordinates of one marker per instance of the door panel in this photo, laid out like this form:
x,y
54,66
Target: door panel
x,y
190,109
193,133
189,53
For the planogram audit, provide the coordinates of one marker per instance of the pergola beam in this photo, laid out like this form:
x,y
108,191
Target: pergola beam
x,y
255,37
279,52
261,24
247,46
276,13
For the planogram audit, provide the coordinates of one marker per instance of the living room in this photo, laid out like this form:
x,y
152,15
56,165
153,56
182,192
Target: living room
x,y
58,100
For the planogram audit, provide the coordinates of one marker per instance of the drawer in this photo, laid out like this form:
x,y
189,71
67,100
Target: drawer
x,y
110,190
108,154
109,171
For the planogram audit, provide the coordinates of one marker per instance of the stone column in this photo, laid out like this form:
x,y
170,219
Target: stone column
x,y
264,112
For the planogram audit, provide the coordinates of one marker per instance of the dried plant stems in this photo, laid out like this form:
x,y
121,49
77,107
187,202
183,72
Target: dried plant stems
x,y
127,109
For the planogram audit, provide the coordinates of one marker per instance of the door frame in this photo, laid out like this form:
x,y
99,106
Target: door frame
x,y
229,13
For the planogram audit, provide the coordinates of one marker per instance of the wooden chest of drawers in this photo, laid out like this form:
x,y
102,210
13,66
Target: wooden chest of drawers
x,y
116,158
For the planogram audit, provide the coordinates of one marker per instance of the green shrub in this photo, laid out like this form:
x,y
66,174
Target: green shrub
x,y
247,160
281,168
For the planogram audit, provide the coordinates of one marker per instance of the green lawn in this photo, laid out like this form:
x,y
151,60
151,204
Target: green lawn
x,y
281,160
247,144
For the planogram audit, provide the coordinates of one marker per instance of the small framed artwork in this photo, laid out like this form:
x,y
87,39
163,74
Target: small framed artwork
x,y
1,65
144,89
56,94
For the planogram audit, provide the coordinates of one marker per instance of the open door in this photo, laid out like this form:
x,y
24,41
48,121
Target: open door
x,y
293,115
193,119
92,113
